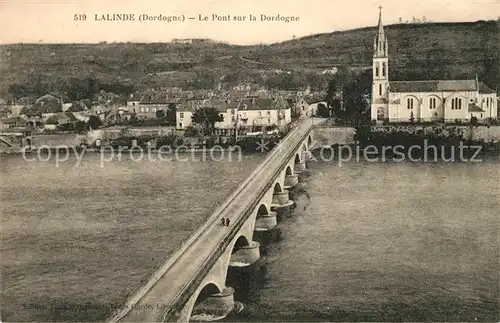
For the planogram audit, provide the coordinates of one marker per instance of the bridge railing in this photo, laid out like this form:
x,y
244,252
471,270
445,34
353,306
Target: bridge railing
x,y
268,169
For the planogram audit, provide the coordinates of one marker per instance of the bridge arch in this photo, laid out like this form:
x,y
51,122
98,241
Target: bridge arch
x,y
298,159
208,290
277,189
288,171
241,242
303,148
309,141
202,297
262,210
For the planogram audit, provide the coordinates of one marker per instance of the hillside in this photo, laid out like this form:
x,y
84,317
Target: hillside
x,y
417,51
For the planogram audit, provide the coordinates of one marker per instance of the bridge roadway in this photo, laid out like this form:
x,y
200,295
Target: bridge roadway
x,y
167,290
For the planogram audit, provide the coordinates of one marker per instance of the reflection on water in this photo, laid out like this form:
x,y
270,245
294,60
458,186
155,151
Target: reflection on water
x,y
385,242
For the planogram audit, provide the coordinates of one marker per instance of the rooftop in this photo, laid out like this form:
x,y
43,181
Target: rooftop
x,y
483,88
475,108
433,86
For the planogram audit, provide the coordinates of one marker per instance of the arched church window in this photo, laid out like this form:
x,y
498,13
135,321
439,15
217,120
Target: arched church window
x,y
432,103
409,103
376,69
380,89
383,69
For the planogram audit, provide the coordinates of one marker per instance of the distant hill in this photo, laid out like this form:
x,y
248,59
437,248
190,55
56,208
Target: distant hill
x,y
417,51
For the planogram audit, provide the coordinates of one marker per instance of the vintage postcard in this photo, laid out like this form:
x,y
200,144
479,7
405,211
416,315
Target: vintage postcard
x,y
250,161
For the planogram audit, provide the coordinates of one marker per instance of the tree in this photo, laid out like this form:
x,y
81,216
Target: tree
x,y
207,117
190,131
18,90
133,119
354,98
323,111
94,122
334,91
52,120
160,114
79,126
170,115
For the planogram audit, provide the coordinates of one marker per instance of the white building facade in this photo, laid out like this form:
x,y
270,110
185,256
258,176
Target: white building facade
x,y
431,100
244,113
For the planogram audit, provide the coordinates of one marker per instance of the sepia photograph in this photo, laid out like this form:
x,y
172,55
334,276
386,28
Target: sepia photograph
x,y
249,161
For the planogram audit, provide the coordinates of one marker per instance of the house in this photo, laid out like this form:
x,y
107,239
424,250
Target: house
x,y
301,107
148,106
64,120
14,122
429,100
5,112
185,112
263,112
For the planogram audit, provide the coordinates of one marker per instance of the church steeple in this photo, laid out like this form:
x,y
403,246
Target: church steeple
x,y
380,84
380,41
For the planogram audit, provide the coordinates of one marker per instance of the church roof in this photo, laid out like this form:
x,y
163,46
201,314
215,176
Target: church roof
x,y
475,108
483,88
433,86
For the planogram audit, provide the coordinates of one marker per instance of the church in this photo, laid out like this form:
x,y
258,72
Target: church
x,y
431,100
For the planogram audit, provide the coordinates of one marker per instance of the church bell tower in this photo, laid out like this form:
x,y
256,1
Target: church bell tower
x,y
380,69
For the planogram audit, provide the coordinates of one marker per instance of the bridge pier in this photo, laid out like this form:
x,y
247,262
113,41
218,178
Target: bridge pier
x,y
300,167
266,222
217,305
266,230
246,255
307,155
291,181
280,198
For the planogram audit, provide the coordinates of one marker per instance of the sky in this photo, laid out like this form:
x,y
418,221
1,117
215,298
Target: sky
x,y
53,21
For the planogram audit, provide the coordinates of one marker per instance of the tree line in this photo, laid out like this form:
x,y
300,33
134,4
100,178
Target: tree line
x,y
347,97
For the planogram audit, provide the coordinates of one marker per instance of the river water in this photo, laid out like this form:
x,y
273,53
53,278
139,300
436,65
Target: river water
x,y
76,239
373,242
386,242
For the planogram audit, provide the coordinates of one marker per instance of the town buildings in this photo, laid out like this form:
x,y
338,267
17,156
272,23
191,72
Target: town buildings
x,y
249,112
430,100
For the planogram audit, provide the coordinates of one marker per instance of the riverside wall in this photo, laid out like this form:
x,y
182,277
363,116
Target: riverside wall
x,y
330,135
480,132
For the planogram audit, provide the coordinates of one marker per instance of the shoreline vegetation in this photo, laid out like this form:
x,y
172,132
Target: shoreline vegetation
x,y
402,142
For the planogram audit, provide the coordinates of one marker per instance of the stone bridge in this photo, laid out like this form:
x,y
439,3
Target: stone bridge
x,y
194,279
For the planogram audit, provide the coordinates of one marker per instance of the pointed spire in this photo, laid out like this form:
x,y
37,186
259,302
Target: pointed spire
x,y
380,26
380,39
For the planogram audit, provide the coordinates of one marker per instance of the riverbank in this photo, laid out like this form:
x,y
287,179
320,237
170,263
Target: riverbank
x,y
132,150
